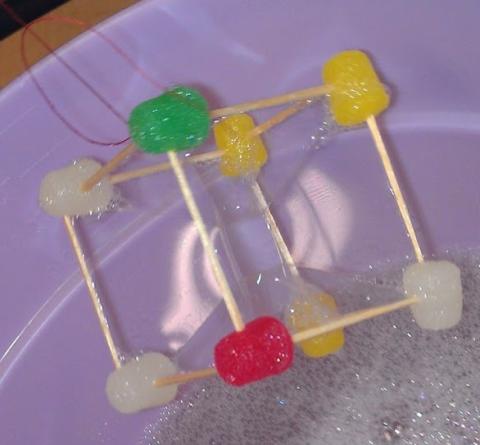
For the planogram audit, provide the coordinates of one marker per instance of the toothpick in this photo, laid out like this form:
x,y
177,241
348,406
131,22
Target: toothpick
x,y
352,318
211,155
341,322
295,96
227,293
300,96
163,166
92,291
109,167
275,230
397,192
185,377
278,118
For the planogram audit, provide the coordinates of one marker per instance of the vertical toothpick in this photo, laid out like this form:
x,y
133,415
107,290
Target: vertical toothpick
x,y
397,192
227,293
275,230
72,234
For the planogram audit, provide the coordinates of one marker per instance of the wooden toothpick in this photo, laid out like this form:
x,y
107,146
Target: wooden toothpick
x,y
341,322
397,192
163,166
109,167
94,297
353,318
300,96
185,377
278,118
294,96
211,155
275,230
225,289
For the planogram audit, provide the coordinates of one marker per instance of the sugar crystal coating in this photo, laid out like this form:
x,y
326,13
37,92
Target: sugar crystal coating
x,y
176,120
438,286
130,388
241,154
393,383
61,195
263,349
311,310
357,91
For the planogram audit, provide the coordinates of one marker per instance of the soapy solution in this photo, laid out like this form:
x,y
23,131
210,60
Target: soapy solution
x,y
392,382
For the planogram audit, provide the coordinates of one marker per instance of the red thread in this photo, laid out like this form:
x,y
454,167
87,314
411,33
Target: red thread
x,y
75,73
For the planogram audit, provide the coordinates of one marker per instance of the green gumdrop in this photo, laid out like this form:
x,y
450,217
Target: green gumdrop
x,y
176,120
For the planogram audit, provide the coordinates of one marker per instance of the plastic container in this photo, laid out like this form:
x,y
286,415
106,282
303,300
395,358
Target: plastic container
x,y
333,204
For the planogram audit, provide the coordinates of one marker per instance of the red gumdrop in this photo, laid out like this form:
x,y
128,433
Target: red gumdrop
x,y
263,349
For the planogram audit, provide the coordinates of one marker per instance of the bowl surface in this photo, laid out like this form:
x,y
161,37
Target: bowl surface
x,y
333,204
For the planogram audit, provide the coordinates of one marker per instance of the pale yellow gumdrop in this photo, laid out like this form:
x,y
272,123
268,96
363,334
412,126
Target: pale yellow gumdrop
x,y
242,153
313,310
61,194
438,287
130,388
357,91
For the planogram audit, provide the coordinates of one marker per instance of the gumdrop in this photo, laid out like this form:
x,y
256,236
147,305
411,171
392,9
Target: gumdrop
x,y
308,311
263,349
176,120
357,91
242,153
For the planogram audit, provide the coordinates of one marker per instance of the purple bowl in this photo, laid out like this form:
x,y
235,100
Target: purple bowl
x,y
333,204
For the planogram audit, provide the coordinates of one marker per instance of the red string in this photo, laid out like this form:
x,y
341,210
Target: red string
x,y
75,73
52,105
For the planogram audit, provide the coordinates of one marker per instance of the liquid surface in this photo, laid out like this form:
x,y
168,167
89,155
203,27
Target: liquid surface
x,y
391,383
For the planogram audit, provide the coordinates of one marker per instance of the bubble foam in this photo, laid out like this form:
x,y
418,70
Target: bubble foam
x,y
391,383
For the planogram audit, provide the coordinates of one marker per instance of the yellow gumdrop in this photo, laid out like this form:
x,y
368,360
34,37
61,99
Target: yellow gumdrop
x,y
308,312
242,154
357,91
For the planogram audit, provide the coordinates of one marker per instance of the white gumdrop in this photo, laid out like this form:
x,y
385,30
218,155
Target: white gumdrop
x,y
438,286
61,194
130,388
